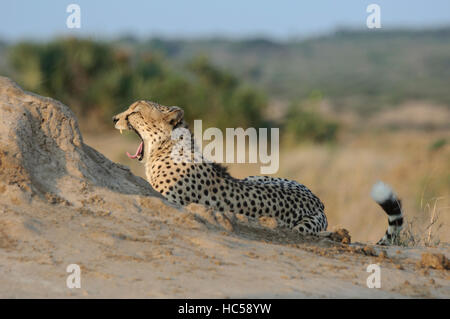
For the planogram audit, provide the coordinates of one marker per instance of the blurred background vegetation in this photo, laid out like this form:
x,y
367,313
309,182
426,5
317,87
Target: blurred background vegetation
x,y
232,83
102,79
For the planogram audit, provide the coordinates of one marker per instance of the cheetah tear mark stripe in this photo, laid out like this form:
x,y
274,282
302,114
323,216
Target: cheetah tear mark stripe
x,y
391,204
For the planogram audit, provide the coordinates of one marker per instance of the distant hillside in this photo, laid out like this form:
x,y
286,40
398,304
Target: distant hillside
x,y
360,70
365,70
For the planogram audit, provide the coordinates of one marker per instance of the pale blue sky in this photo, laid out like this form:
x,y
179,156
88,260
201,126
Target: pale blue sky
x,y
195,18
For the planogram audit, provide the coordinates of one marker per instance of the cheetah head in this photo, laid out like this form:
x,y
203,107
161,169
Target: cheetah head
x,y
153,123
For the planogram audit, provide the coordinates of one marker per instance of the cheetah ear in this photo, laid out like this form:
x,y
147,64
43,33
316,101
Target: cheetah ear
x,y
174,116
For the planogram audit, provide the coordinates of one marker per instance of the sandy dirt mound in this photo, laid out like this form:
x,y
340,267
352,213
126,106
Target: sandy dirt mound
x,y
42,152
62,202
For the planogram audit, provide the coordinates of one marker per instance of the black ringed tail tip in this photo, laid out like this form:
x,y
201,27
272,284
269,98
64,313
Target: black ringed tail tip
x,y
384,195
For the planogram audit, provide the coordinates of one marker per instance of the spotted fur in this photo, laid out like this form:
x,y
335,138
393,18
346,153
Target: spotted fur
x,y
292,204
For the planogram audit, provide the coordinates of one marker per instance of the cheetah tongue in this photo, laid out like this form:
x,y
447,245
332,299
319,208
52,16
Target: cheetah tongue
x,y
138,152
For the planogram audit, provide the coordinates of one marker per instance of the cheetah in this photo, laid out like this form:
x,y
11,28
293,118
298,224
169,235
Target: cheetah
x,y
292,204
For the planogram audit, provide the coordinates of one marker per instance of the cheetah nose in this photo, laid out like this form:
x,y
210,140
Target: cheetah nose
x,y
115,119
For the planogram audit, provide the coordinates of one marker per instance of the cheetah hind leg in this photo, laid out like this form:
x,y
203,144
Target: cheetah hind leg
x,y
310,226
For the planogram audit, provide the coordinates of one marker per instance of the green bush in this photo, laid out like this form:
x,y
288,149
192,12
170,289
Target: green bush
x,y
102,79
304,123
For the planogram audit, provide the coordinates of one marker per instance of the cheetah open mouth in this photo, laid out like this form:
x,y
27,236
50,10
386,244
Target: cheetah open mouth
x,y
140,150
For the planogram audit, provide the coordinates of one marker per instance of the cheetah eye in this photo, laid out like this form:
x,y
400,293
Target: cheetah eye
x,y
135,112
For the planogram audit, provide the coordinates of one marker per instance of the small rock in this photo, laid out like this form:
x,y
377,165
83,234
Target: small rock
x,y
382,255
436,261
342,235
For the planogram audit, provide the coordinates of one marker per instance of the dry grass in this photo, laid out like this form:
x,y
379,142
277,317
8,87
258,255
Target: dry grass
x,y
343,176
427,234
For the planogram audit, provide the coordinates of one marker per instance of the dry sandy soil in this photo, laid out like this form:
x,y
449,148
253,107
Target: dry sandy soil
x,y
62,202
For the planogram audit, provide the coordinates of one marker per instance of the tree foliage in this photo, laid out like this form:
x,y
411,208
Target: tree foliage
x,y
100,78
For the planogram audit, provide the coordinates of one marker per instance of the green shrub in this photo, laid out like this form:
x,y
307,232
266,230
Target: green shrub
x,y
303,123
102,79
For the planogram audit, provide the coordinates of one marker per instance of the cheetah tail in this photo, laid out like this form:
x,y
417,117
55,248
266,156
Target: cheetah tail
x,y
391,204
